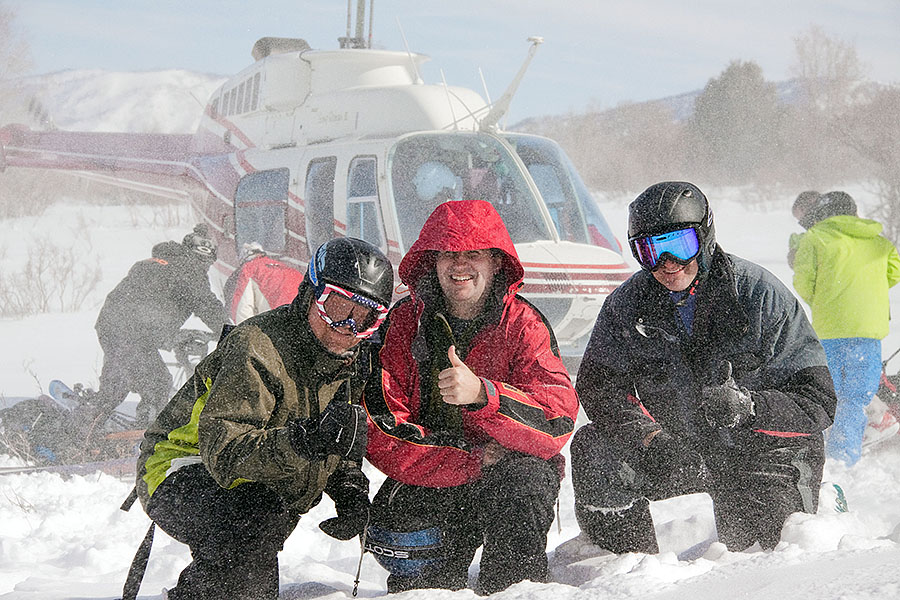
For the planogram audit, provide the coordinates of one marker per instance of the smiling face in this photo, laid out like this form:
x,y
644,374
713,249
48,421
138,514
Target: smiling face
x,y
466,279
676,277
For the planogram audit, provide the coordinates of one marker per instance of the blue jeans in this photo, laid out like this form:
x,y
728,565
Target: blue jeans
x,y
855,365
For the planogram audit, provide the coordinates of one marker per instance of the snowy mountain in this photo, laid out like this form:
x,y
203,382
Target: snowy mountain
x,y
168,101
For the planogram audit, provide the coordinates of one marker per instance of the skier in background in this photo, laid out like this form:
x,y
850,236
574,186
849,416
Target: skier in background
x,y
260,283
843,269
142,315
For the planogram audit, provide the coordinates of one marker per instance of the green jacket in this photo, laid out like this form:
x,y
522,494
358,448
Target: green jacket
x,y
843,270
232,413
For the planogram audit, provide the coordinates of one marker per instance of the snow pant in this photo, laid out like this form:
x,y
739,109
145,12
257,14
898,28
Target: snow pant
x,y
132,365
509,510
234,535
753,488
855,365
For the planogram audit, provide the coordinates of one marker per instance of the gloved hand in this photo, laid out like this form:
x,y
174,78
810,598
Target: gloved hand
x,y
727,404
340,429
348,486
348,524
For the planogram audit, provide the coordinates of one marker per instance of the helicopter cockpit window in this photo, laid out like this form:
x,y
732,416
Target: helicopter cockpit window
x,y
319,200
574,211
428,169
363,212
259,210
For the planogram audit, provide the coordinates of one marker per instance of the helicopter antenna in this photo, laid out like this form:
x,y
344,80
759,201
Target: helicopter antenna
x,y
409,53
356,41
449,102
371,21
502,106
487,94
349,19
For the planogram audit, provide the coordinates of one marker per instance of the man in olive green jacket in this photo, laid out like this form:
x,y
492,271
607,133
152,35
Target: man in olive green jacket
x,y
843,269
269,421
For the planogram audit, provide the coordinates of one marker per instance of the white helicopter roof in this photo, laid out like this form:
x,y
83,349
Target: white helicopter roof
x,y
333,94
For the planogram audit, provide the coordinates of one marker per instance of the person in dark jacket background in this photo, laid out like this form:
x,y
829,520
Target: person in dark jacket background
x,y
702,374
269,421
469,415
142,315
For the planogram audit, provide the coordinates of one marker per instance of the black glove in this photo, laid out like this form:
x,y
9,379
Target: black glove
x,y
348,524
669,465
727,404
340,429
348,486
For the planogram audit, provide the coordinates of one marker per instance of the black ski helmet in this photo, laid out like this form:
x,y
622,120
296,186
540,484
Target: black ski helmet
x,y
828,205
200,243
354,265
668,206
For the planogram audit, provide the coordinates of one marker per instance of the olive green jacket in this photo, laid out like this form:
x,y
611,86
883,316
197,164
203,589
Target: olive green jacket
x,y
232,413
843,269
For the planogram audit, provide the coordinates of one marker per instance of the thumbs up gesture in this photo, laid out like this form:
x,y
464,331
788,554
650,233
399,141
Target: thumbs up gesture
x,y
458,384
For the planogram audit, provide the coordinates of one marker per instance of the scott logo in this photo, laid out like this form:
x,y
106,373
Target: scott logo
x,y
384,551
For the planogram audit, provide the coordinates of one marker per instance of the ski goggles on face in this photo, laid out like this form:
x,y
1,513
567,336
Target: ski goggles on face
x,y
362,315
681,245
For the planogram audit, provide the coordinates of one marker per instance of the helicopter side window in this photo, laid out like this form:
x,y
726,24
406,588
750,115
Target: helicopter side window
x,y
260,204
255,103
240,100
319,202
363,214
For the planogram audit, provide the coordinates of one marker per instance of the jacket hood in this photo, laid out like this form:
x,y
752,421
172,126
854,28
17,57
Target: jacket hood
x,y
849,225
459,226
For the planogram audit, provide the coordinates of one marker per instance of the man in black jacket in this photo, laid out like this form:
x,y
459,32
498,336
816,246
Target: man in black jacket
x,y
142,315
702,375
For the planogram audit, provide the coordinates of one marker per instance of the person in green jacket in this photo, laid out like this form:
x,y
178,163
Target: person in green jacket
x,y
843,269
270,420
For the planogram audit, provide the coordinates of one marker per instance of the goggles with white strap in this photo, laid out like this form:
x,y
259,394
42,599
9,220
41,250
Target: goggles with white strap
x,y
363,318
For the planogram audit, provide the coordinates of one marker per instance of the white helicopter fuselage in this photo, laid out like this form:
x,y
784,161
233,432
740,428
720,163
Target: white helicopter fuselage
x,y
305,145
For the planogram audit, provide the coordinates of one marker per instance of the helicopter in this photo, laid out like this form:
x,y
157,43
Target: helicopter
x,y
304,145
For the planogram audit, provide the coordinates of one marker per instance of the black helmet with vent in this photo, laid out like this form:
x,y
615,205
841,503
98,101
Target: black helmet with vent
x,y
354,265
669,206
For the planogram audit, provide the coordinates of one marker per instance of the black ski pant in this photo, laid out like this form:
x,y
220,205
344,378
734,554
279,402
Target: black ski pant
x,y
132,365
509,510
234,535
753,489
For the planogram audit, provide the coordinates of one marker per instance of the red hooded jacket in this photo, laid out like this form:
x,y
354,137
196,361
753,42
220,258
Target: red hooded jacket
x,y
531,406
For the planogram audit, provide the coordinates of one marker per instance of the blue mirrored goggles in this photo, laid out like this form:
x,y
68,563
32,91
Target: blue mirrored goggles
x,y
681,245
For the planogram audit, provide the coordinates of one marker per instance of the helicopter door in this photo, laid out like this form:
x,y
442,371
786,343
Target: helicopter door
x,y
260,204
319,202
363,214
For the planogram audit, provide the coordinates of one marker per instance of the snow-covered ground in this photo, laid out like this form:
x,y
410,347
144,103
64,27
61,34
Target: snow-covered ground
x,y
67,538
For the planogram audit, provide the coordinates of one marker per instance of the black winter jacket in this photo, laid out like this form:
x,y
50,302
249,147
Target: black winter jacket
x,y
642,372
158,295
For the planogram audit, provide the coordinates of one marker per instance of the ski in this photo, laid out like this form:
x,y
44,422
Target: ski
x,y
117,467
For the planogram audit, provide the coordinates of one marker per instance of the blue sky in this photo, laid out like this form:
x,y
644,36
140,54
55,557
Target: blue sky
x,y
597,53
